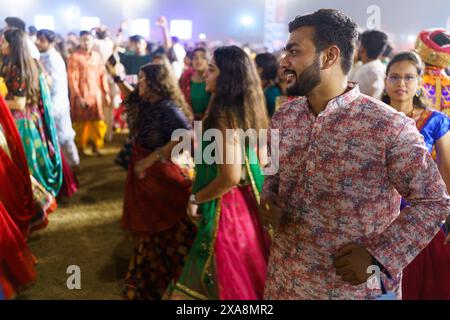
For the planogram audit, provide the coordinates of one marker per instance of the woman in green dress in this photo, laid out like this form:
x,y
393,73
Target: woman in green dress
x,y
229,256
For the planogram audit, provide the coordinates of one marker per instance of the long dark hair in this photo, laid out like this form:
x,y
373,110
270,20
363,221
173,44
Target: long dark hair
x,y
20,57
239,97
161,81
417,62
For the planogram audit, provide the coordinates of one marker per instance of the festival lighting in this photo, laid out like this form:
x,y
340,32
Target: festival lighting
x,y
44,22
87,23
181,29
247,21
140,27
72,16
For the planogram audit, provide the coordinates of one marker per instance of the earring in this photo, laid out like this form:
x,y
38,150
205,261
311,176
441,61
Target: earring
x,y
418,93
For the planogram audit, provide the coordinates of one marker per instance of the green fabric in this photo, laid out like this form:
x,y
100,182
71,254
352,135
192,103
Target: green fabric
x,y
198,279
271,94
199,97
46,169
133,62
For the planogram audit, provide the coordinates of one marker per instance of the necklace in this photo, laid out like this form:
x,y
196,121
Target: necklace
x,y
411,113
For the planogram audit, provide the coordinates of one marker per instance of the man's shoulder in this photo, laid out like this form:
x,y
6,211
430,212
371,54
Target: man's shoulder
x,y
369,109
291,108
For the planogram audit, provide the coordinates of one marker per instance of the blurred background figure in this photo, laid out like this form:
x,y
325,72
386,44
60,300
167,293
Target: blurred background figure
x,y
370,76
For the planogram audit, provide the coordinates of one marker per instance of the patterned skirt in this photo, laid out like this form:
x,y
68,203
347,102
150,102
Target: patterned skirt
x,y
158,260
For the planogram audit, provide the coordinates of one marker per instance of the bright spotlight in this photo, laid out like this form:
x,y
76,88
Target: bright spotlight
x,y
247,21
181,29
202,36
44,22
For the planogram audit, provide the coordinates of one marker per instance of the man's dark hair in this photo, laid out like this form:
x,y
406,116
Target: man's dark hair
x,y
15,22
32,30
47,34
269,65
374,42
331,27
85,33
136,38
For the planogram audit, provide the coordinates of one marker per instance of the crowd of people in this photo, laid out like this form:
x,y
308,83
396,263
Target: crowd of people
x,y
359,134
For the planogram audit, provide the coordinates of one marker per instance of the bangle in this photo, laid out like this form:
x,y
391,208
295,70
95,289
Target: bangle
x,y
193,199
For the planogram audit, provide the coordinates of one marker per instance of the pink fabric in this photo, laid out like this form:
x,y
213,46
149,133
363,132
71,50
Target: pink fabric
x,y
242,248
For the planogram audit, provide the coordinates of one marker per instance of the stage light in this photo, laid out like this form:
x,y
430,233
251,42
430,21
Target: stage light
x,y
87,23
202,36
44,22
72,16
247,21
411,38
181,29
140,27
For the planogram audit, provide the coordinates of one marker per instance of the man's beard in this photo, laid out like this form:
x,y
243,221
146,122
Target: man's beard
x,y
307,81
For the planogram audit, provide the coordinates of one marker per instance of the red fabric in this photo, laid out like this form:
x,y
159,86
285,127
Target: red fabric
x,y
15,184
16,261
427,35
428,276
70,183
185,85
157,202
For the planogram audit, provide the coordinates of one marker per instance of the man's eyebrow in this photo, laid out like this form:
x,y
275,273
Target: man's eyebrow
x,y
289,46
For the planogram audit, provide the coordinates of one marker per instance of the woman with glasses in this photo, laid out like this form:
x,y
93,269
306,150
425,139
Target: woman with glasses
x,y
428,276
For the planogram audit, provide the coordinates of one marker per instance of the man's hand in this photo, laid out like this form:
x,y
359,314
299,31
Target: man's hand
x,y
81,102
271,210
162,22
351,263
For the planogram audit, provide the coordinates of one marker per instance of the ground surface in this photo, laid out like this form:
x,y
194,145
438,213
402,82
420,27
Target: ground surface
x,y
85,231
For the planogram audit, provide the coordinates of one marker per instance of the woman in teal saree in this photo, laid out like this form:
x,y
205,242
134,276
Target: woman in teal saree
x,y
229,256
30,103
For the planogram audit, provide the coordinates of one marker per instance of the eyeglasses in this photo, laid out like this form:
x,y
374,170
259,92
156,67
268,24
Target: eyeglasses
x,y
395,78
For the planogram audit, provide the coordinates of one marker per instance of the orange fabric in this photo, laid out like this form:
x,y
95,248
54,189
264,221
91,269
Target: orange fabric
x,y
87,79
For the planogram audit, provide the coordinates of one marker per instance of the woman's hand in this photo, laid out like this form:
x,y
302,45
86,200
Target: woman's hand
x,y
447,239
192,212
141,166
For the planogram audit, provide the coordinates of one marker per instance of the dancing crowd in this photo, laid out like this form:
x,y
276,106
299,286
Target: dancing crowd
x,y
358,134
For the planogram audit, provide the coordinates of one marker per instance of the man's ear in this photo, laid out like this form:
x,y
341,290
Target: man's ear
x,y
330,57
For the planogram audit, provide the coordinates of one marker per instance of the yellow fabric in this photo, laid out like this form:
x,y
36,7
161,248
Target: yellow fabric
x,y
3,88
90,131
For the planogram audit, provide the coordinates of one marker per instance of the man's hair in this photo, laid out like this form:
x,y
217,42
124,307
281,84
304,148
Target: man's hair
x,y
136,38
269,65
331,27
85,33
47,34
15,22
374,42
32,30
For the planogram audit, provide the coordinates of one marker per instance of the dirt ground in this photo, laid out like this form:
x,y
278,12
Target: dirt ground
x,y
85,231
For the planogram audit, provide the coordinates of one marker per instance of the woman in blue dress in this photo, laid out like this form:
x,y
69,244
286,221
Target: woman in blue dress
x,y
428,275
